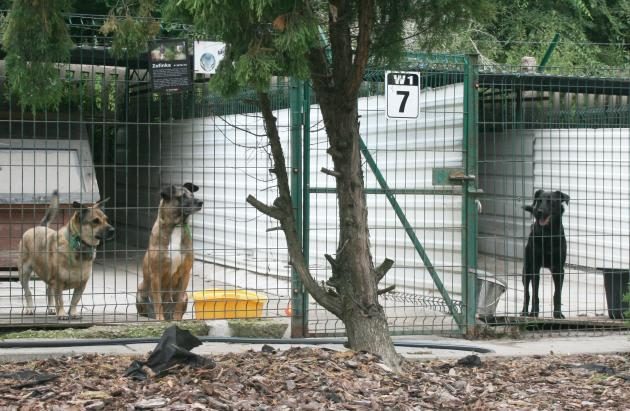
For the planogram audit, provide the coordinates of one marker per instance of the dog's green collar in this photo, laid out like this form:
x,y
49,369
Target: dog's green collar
x,y
187,230
76,243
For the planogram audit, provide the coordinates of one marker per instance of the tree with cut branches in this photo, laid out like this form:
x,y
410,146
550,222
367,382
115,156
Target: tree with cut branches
x,y
281,37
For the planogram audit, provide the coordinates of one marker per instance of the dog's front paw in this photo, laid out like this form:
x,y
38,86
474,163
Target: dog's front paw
x,y
63,316
51,311
533,314
28,311
558,315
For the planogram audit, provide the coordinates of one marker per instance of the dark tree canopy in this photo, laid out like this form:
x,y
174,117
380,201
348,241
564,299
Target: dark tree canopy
x,y
267,36
593,33
34,38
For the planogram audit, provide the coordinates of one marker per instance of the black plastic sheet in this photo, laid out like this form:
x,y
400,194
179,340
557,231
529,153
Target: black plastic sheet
x,y
173,349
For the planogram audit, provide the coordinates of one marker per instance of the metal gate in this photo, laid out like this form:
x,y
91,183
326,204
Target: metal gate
x,y
421,187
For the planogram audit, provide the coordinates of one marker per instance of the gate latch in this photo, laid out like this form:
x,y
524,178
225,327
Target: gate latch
x,y
450,176
459,175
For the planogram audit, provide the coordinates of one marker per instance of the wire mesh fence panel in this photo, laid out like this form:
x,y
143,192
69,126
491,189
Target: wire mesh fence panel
x,y
554,157
178,166
114,136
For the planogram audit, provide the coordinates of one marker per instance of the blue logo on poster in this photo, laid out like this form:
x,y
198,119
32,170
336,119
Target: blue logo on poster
x,y
207,61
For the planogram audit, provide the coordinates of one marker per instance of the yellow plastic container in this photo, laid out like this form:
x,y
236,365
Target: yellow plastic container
x,y
218,303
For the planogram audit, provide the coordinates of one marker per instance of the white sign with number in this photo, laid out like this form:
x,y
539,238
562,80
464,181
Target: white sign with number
x,y
402,94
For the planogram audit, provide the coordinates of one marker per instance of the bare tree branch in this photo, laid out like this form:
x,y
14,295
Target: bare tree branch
x,y
382,269
272,212
332,173
331,261
283,211
386,290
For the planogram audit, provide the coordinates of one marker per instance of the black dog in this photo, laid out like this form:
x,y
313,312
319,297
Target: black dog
x,y
546,247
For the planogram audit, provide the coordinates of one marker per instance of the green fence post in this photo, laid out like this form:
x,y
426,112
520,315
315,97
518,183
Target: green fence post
x,y
548,53
306,184
469,190
298,318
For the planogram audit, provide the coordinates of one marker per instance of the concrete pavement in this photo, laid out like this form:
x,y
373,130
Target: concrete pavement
x,y
558,346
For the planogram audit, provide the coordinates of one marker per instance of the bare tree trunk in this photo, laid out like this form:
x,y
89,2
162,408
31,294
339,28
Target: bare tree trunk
x,y
336,83
354,278
282,211
353,273
352,293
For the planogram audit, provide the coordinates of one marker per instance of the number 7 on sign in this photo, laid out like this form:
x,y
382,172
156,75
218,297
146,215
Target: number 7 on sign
x,y
402,92
405,95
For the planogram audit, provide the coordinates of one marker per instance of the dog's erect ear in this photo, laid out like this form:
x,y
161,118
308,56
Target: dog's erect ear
x,y
537,196
563,197
191,187
167,192
81,209
100,203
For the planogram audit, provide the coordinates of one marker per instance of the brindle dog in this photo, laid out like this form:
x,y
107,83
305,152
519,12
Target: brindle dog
x,y
62,259
169,259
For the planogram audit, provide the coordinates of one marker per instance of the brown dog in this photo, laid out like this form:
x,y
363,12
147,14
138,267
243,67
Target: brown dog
x,y
168,262
62,259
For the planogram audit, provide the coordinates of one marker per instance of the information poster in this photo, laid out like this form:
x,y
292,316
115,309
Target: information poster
x,y
169,65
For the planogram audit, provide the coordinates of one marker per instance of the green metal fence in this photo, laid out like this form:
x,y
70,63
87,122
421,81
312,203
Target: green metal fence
x,y
558,131
113,136
445,191
520,132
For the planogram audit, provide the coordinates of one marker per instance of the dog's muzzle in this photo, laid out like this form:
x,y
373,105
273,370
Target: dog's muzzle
x,y
543,220
107,234
196,206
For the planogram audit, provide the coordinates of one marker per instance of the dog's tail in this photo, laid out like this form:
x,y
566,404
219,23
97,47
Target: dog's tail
x,y
53,209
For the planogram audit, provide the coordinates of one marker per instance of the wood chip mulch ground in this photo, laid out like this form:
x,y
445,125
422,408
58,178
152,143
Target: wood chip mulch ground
x,y
320,379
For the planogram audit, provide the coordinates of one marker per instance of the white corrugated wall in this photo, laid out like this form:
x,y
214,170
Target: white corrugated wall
x,y
228,158
591,165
